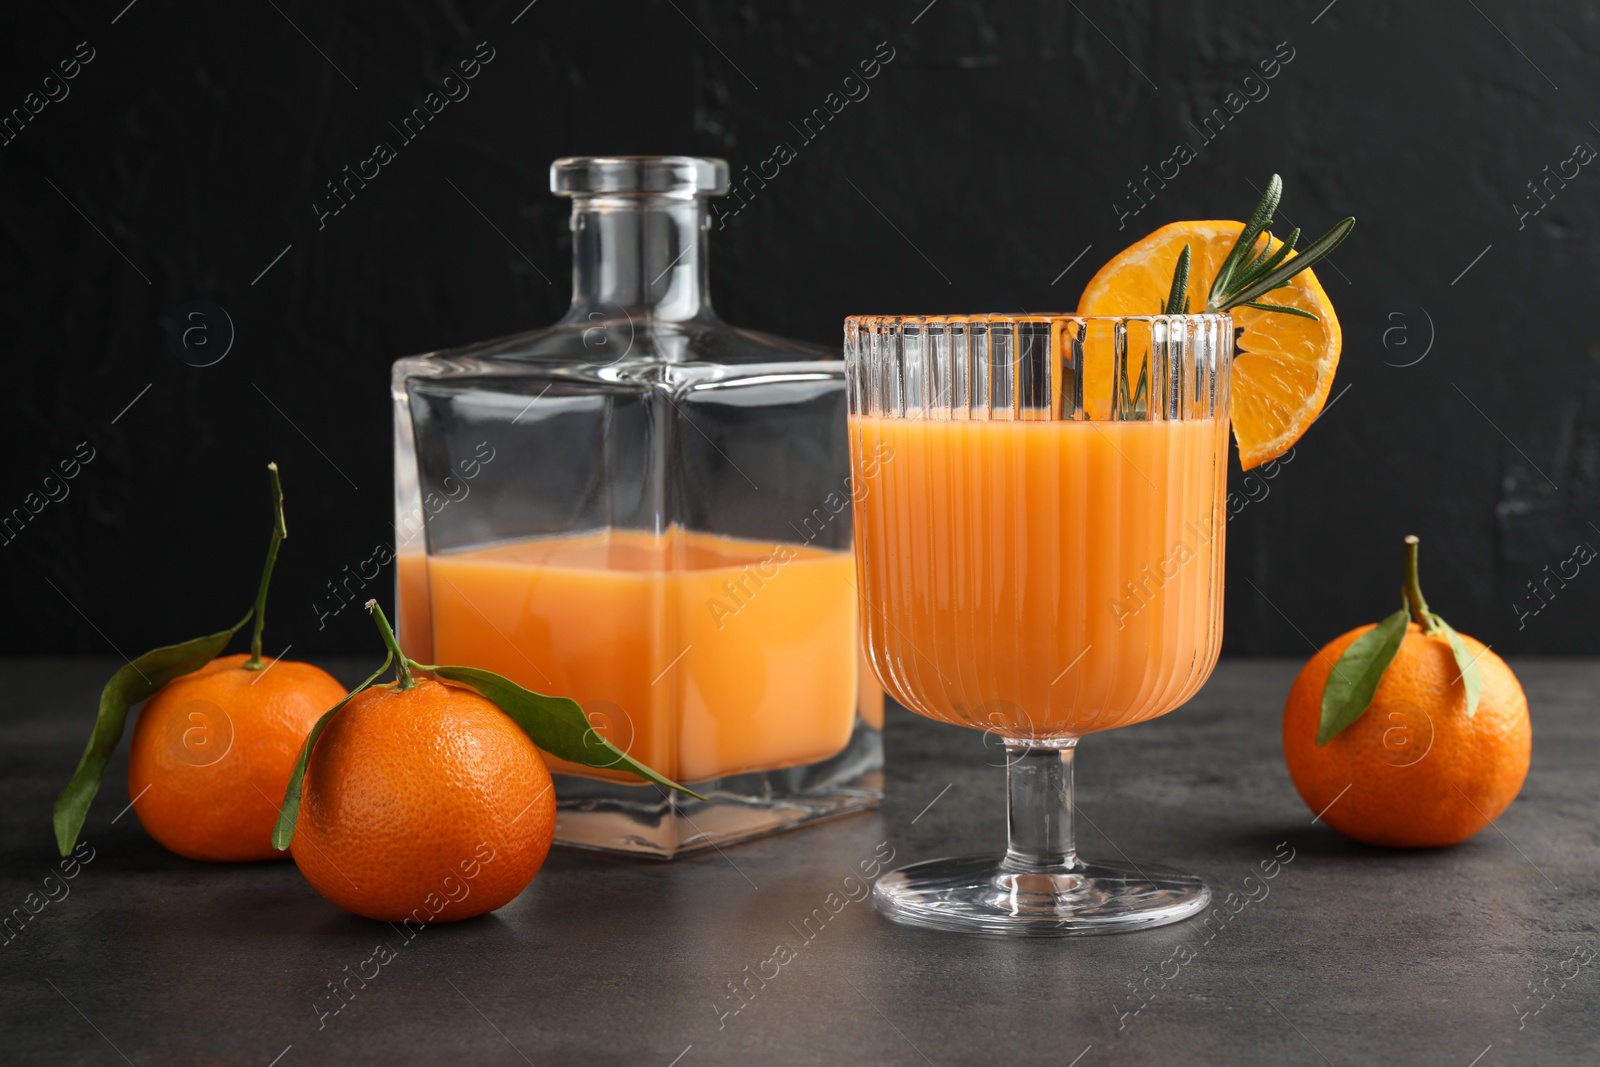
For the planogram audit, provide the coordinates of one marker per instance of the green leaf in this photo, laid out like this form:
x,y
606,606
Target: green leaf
x,y
131,684
1177,301
1314,253
1259,220
556,724
1280,308
1282,253
1354,679
1134,406
1254,266
289,813
1470,677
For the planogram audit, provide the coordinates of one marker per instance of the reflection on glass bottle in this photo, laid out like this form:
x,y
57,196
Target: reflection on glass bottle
x,y
647,510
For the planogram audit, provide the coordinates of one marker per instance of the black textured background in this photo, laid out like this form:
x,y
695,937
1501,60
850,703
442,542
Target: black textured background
x,y
998,139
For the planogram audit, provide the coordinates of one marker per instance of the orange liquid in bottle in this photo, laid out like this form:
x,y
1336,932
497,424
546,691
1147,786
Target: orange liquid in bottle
x,y
1041,579
701,656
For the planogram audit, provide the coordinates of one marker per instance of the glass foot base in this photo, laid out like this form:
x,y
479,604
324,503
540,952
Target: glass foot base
x,y
977,895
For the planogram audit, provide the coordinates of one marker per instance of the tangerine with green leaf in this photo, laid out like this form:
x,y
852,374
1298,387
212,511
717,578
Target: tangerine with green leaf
x,y
212,751
1406,733
215,742
424,803
427,800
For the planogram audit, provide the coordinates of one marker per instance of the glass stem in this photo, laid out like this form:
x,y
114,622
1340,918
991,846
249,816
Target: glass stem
x,y
1039,808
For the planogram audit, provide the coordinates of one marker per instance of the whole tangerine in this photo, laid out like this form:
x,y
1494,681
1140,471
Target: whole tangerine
x,y
212,752
425,803
1414,770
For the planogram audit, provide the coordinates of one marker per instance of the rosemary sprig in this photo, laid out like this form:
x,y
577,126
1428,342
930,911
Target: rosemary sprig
x,y
1177,301
1246,275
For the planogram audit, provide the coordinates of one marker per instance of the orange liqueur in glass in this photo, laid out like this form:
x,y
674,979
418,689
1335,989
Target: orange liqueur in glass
x,y
1043,579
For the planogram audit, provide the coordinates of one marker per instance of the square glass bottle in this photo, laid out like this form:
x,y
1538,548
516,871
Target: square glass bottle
x,y
647,510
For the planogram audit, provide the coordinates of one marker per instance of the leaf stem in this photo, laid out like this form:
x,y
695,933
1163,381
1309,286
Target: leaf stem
x,y
402,664
279,532
1413,589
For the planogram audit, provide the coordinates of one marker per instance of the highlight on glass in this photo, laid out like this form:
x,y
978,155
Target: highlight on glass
x,y
1039,527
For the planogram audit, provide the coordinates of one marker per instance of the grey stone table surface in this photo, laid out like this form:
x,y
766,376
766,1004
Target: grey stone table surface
x,y
1474,956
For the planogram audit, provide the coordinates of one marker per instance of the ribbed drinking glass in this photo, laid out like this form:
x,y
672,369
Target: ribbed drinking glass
x,y
1039,521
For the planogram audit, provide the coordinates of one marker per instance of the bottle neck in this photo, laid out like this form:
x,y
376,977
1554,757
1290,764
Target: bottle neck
x,y
640,255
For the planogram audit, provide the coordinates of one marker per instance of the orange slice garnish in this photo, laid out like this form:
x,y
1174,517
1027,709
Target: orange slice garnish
x,y
1283,366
